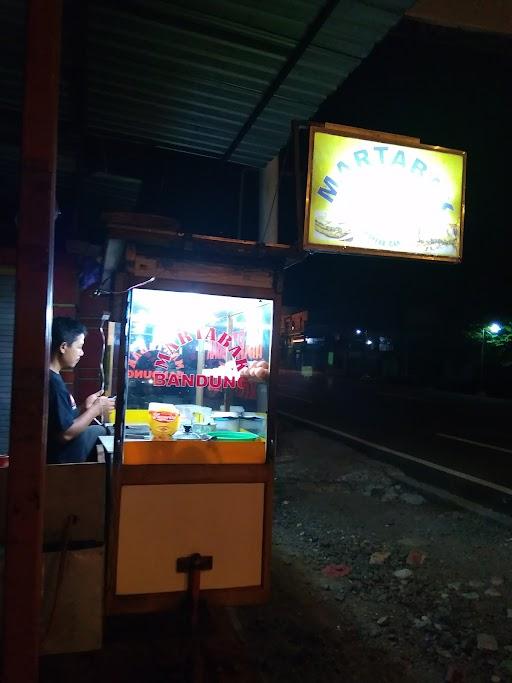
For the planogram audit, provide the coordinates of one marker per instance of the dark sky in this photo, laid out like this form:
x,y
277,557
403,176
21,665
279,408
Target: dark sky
x,y
448,88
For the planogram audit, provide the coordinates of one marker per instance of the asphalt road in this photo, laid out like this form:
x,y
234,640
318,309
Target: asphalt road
x,y
462,443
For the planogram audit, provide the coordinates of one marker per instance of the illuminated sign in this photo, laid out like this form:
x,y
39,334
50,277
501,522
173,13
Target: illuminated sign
x,y
383,194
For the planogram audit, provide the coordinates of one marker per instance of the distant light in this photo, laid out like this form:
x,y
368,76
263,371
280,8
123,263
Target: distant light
x,y
369,342
495,328
315,340
307,371
358,331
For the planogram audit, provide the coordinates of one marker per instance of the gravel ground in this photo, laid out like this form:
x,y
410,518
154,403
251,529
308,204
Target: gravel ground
x,y
372,582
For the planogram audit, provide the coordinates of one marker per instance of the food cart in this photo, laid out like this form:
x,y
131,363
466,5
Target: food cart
x,y
181,509
193,360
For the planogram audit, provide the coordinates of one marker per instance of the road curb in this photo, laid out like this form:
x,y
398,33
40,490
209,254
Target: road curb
x,y
494,504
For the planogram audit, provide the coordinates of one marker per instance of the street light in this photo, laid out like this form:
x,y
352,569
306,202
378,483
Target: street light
x,y
493,328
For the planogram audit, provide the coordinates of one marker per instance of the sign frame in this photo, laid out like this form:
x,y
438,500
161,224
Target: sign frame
x,y
390,138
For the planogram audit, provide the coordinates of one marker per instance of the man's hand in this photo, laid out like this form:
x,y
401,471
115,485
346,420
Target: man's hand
x,y
102,405
108,404
92,399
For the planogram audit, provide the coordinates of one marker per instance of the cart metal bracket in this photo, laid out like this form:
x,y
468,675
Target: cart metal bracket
x,y
195,562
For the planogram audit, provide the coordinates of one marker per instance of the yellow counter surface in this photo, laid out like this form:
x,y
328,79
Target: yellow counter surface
x,y
185,452
193,452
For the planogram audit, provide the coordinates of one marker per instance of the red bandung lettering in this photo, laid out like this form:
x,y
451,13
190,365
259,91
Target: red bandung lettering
x,y
180,379
159,379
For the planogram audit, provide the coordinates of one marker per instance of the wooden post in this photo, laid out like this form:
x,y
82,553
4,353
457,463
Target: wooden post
x,y
34,290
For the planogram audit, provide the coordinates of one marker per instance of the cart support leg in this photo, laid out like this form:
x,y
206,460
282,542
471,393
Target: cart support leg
x,y
193,565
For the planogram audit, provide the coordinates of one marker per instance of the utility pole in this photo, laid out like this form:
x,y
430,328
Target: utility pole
x,y
34,293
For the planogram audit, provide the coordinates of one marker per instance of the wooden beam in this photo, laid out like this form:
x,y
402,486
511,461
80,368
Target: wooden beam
x,y
291,62
34,278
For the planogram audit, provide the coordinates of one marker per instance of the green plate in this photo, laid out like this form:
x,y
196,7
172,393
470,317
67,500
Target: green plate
x,y
233,436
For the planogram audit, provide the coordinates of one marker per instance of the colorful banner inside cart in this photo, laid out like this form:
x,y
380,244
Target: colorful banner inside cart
x,y
374,196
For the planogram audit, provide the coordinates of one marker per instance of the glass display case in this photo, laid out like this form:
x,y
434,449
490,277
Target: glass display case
x,y
198,370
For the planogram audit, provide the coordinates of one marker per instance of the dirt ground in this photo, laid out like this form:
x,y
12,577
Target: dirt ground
x,y
374,582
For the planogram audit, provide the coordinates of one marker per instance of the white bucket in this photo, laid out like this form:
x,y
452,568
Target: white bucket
x,y
254,423
229,422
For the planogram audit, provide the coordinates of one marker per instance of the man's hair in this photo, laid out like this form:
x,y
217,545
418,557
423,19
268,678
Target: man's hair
x,y
65,330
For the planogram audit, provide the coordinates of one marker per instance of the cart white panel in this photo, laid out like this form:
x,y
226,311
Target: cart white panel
x,y
159,523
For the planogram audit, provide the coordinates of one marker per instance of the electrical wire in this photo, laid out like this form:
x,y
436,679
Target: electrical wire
x,y
71,520
102,356
307,254
102,283
102,292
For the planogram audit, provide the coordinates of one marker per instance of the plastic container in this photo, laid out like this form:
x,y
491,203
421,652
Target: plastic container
x,y
229,422
186,434
233,409
195,413
164,420
202,428
253,422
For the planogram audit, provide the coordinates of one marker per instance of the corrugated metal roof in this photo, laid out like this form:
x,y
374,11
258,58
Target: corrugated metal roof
x,y
186,75
191,75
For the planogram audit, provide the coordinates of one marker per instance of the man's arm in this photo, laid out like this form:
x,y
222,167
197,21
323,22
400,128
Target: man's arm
x,y
81,423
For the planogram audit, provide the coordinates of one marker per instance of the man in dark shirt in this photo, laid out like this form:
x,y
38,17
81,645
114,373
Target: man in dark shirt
x,y
71,437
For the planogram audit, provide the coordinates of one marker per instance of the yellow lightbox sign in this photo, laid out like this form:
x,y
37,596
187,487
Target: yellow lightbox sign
x,y
383,194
